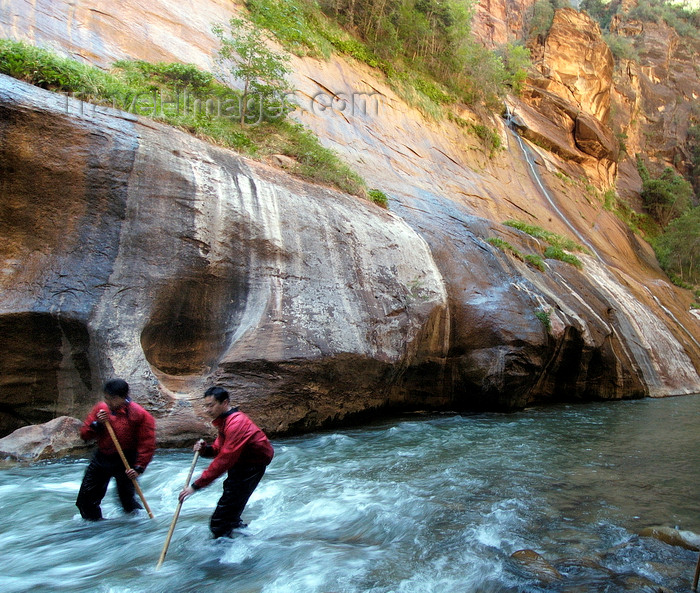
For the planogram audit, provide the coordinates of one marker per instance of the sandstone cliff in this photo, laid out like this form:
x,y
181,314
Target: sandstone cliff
x,y
138,251
497,22
654,98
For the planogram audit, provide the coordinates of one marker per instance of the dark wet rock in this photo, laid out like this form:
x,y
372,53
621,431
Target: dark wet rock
x,y
537,564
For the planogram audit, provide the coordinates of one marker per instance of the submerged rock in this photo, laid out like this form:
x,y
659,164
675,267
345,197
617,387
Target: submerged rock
x,y
537,564
674,537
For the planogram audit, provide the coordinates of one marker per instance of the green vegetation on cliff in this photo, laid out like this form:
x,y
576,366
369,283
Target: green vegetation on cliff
x,y
670,222
424,47
678,249
682,16
543,15
553,239
669,200
694,144
665,197
545,317
192,100
558,246
426,52
530,258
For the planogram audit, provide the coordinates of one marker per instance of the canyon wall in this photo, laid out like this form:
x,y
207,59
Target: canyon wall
x,y
136,250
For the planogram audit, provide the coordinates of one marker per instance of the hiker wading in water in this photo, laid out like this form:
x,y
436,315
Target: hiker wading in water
x,y
135,430
242,449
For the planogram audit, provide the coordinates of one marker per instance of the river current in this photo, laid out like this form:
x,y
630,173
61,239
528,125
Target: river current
x,y
418,504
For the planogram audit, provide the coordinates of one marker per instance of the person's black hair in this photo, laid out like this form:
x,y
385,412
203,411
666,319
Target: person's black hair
x,y
116,388
218,393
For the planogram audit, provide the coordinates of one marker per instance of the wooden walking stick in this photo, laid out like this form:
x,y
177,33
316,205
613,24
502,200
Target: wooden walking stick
x,y
697,575
128,467
177,514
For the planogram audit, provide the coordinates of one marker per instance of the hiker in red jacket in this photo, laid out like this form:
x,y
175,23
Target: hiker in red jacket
x,y
135,430
242,449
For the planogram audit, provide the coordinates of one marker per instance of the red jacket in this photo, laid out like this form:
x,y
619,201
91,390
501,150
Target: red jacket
x,y
239,441
133,426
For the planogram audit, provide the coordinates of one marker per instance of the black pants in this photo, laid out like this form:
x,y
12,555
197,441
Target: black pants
x,y
238,486
94,487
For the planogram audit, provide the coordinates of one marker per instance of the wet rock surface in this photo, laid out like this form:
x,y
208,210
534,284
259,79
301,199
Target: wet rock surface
x,y
135,250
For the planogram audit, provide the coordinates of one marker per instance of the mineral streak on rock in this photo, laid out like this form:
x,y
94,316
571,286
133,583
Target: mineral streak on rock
x,y
136,250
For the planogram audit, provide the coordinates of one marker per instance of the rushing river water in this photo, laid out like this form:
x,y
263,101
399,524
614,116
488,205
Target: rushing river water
x,y
414,505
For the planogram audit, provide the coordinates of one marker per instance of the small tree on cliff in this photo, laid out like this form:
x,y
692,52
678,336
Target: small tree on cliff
x,y
665,197
245,54
678,248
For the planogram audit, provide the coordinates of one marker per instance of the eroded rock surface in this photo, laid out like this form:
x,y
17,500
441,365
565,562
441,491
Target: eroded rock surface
x,y
144,253
135,250
497,22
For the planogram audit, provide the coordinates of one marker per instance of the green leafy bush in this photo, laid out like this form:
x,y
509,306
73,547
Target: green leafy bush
x,y
544,317
426,42
291,22
665,197
432,90
489,136
600,10
622,48
378,197
684,19
678,247
166,74
50,71
638,222
694,146
261,70
542,17
516,60
316,162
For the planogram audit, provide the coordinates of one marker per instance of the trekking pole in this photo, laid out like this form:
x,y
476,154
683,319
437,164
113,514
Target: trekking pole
x,y
177,514
697,575
128,467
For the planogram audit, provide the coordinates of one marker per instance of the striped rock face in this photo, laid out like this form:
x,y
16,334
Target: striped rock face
x,y
131,249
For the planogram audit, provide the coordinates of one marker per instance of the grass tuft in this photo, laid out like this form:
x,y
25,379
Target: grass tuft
x,y
553,239
557,253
